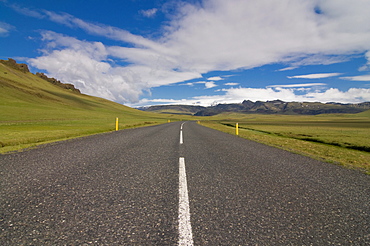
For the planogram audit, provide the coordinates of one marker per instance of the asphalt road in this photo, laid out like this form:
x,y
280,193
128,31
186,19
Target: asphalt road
x,y
122,188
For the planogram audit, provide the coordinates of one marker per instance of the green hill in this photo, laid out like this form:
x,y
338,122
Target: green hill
x,y
366,113
34,110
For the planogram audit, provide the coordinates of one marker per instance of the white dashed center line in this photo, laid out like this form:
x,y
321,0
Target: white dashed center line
x,y
181,139
185,233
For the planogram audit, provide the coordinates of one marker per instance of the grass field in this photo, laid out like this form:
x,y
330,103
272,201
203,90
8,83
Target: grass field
x,y
339,139
34,111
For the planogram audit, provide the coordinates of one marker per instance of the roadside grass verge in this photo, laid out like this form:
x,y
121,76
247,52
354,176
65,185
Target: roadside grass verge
x,y
19,135
338,139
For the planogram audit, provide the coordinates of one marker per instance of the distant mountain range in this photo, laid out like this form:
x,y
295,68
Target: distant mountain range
x,y
259,107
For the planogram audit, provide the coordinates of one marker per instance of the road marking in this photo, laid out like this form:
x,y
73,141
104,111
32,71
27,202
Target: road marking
x,y
185,233
181,139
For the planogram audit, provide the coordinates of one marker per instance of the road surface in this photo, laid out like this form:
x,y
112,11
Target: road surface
x,y
178,184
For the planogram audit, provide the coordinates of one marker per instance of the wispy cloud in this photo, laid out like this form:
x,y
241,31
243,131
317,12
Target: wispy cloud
x,y
28,12
316,59
358,78
286,69
5,28
231,84
207,84
296,85
216,78
366,67
315,76
149,12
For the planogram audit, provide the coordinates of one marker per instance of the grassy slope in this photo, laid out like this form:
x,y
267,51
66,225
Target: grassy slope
x,y
326,137
34,111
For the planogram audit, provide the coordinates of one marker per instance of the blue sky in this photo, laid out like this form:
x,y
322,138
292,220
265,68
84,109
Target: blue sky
x,y
198,52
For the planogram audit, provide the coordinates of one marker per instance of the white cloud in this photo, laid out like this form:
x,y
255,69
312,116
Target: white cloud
x,y
216,78
297,85
358,78
149,12
207,84
188,84
314,76
210,84
248,28
86,65
286,69
315,59
260,94
353,95
231,84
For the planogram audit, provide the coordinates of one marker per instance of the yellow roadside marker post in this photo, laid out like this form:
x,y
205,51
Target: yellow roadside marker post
x,y
237,129
117,124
